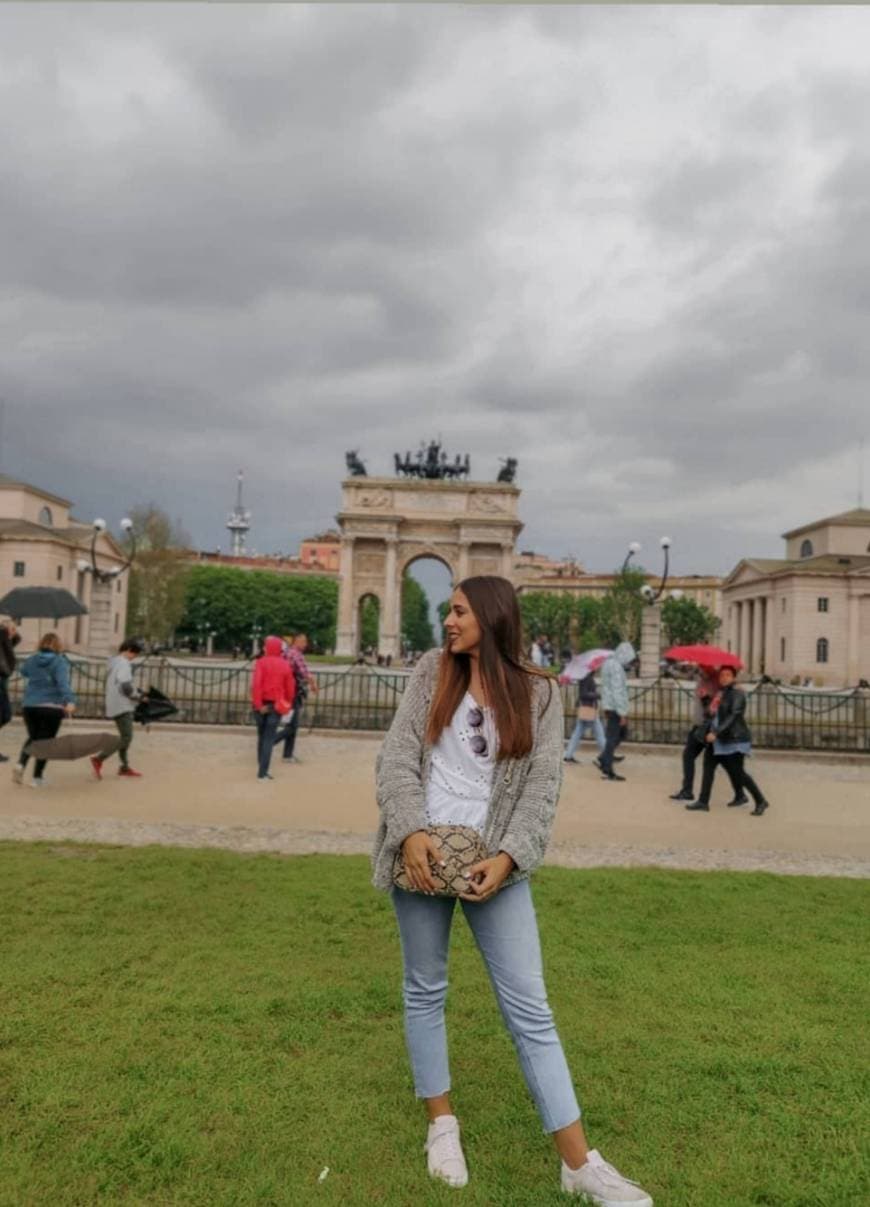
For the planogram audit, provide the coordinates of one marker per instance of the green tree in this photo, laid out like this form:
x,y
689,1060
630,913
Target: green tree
x,y
621,608
545,612
231,601
416,626
587,623
155,601
370,621
686,622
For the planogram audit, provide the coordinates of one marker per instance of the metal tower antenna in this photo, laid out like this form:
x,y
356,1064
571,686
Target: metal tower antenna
x,y
861,473
238,522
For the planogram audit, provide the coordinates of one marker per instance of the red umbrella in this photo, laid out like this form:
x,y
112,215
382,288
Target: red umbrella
x,y
707,656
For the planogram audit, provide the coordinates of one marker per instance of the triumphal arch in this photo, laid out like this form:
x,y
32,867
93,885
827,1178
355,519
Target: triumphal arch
x,y
431,508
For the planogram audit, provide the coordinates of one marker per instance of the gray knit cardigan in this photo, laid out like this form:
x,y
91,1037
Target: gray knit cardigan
x,y
522,802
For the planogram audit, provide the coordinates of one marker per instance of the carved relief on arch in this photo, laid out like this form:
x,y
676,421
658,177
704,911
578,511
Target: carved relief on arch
x,y
485,565
487,504
382,500
370,563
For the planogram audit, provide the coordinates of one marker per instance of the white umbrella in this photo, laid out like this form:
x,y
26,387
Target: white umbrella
x,y
584,664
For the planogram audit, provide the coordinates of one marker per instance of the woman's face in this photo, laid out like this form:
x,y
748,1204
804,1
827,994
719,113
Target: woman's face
x,y
460,625
726,676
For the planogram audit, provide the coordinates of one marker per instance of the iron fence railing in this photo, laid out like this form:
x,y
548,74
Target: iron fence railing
x,y
365,698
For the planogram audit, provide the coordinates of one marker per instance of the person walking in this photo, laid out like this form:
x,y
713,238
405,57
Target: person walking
x,y
305,682
705,693
9,639
48,698
614,704
588,719
729,743
476,745
121,699
273,689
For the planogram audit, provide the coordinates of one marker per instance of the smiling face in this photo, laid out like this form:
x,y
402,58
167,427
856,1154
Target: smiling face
x,y
460,625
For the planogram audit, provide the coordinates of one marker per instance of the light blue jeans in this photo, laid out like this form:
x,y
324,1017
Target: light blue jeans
x,y
506,932
581,729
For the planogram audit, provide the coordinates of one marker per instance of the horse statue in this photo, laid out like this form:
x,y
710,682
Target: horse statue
x,y
508,470
355,467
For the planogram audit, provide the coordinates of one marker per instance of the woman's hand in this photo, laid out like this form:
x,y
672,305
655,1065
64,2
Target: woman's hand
x,y
69,709
711,737
419,852
486,878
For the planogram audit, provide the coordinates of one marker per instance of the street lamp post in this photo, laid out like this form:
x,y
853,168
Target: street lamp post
x,y
651,620
113,572
633,548
99,631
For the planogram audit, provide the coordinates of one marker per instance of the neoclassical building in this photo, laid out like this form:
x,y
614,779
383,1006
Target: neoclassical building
x,y
807,615
41,545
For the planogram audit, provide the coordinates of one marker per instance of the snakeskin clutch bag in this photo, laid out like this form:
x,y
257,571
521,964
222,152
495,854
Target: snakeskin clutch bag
x,y
460,847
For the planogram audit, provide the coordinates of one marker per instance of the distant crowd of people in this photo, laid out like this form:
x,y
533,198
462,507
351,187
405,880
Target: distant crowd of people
x,y
719,731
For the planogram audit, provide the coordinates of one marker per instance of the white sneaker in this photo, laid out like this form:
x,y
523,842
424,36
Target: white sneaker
x,y
17,773
446,1158
37,782
598,1182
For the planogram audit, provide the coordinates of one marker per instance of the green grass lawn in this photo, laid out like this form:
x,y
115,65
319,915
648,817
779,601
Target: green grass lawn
x,y
211,1028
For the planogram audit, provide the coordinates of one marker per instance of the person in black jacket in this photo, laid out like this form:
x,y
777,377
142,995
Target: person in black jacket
x,y
729,742
706,691
9,638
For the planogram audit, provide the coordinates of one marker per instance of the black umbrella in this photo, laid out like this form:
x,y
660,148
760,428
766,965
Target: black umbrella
x,y
153,707
26,603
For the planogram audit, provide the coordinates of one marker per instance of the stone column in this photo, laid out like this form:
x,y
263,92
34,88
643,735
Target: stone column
x,y
464,560
100,628
346,637
758,636
388,640
507,561
771,648
650,641
745,642
853,638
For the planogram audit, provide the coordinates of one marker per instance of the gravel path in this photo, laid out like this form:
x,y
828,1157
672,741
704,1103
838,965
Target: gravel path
x,y
119,832
199,789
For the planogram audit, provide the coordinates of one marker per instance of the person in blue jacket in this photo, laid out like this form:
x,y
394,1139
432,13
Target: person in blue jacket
x,y
48,698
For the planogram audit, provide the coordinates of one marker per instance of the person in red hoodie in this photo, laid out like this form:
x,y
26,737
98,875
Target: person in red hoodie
x,y
273,690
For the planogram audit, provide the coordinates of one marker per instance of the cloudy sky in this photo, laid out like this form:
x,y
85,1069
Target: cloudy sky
x,y
629,246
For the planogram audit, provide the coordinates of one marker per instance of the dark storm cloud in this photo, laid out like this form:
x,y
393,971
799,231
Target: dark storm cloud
x,y
629,247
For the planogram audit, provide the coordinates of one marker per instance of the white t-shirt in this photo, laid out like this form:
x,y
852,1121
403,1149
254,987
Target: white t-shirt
x,y
460,781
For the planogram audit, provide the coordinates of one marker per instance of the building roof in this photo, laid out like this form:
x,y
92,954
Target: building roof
x,y
31,531
7,483
826,564
330,537
75,534
858,517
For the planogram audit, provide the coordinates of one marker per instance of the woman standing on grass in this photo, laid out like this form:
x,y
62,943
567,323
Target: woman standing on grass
x,y
476,746
48,698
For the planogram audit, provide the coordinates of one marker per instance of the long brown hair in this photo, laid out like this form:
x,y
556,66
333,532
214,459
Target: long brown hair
x,y
504,671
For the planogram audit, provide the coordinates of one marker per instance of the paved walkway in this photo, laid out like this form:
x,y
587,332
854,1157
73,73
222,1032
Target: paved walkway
x,y
199,790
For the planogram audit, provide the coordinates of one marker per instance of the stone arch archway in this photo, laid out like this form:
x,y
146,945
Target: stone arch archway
x,y
387,524
359,606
